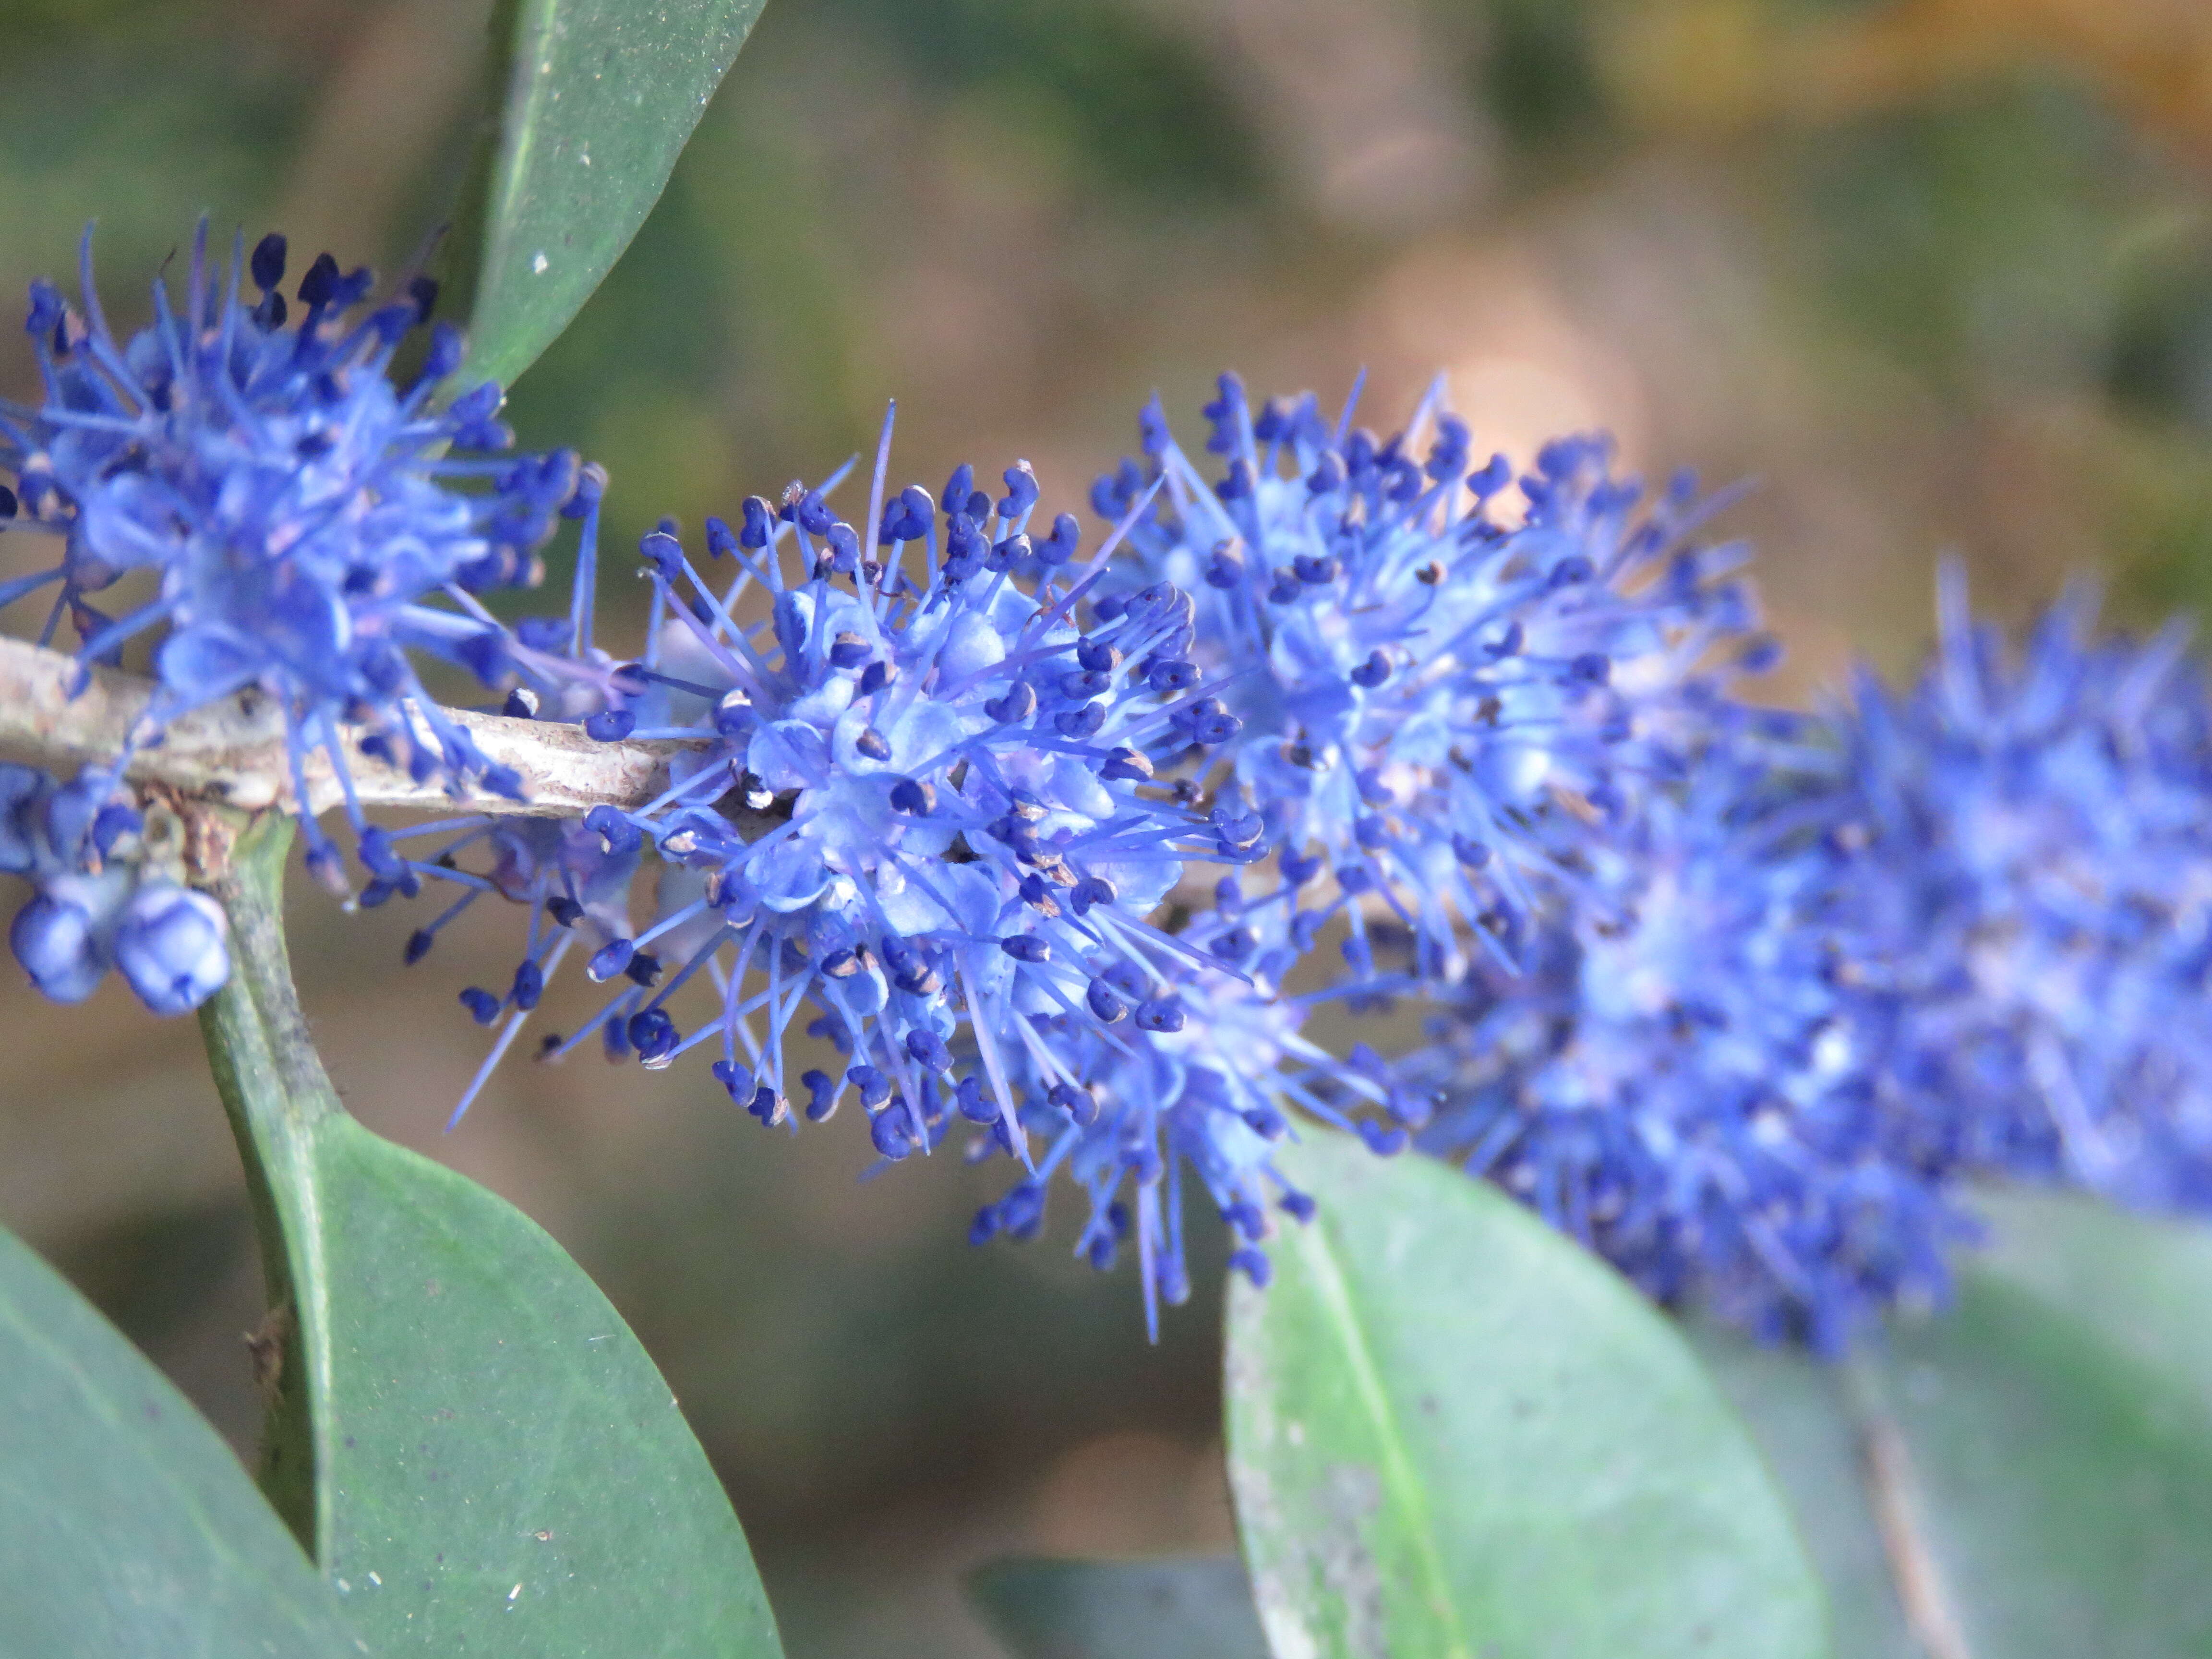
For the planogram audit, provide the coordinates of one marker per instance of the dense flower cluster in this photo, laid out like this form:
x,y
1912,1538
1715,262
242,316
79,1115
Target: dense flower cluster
x,y
1965,930
99,901
928,803
1446,674
1058,846
2041,819
1692,1075
277,509
1436,697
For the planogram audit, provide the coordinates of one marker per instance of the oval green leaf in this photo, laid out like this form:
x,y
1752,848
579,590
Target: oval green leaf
x,y
2035,1466
600,97
1453,1432
1179,1607
126,1526
484,1457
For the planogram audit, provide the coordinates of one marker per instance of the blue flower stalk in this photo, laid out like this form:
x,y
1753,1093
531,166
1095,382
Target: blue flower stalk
x,y
928,802
2042,819
278,511
950,770
1439,693
1692,1074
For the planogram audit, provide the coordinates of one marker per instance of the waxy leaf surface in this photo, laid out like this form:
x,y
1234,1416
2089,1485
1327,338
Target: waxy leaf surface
x,y
2028,1475
483,1457
599,98
126,1525
1453,1431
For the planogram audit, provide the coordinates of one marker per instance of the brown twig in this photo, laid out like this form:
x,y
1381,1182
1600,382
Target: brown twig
x,y
233,752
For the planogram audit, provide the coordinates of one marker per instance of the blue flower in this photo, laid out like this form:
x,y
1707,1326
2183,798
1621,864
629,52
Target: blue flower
x,y
1427,697
2042,820
1204,1095
925,800
280,512
1693,1074
101,897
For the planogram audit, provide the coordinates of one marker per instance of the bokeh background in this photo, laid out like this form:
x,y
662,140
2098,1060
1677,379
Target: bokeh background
x,y
1930,275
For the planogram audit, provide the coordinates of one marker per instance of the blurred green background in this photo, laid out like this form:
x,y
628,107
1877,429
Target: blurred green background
x,y
1933,275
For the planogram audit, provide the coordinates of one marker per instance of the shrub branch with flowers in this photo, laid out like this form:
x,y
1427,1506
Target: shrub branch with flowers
x,y
1342,840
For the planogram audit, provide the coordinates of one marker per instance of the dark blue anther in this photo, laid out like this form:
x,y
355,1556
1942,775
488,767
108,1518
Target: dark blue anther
x,y
1091,889
1161,1014
759,528
618,835
890,1132
1252,1265
1107,1007
1021,491
1018,704
267,264
610,959
1060,546
1383,1142
529,986
1080,723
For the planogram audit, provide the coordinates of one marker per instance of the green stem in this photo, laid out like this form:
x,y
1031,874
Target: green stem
x,y
278,1096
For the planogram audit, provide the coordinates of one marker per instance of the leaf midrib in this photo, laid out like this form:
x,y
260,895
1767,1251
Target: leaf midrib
x,y
1401,1482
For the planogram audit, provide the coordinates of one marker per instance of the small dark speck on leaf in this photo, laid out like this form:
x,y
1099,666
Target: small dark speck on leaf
x,y
153,1412
1523,1408
1429,1404
349,1443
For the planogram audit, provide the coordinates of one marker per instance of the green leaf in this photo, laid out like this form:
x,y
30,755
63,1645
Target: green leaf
x,y
600,97
1453,1432
126,1527
1193,1607
2036,1464
481,1453
1792,1404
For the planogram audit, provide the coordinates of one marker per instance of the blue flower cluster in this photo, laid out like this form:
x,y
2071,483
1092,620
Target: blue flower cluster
x,y
1445,674
1039,837
2042,820
1690,1075
1963,932
1056,840
276,510
101,897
